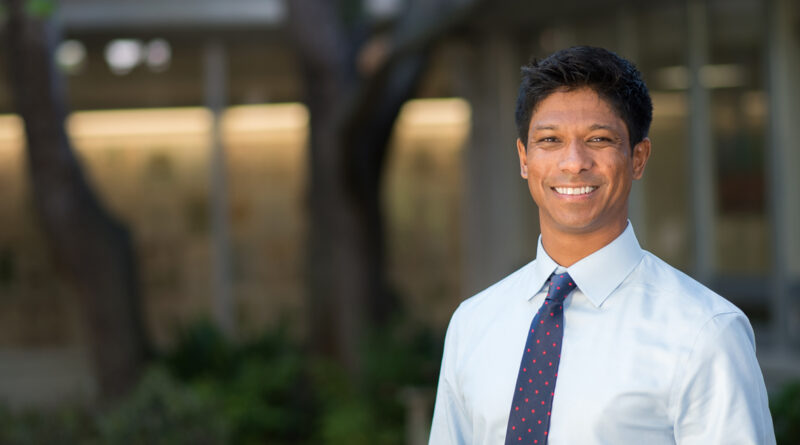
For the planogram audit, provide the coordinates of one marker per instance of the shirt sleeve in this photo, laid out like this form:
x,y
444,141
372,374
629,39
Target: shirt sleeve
x,y
451,425
719,396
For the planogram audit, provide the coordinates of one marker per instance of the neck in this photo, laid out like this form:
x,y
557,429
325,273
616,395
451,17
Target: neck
x,y
566,248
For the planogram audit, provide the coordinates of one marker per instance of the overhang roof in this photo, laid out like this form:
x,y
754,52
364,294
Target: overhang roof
x,y
127,15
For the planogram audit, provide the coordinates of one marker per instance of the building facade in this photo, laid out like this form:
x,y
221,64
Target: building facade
x,y
720,198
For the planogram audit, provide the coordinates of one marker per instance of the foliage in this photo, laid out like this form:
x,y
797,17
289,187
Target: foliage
x,y
258,386
40,8
208,390
269,391
397,357
162,411
785,408
67,426
202,352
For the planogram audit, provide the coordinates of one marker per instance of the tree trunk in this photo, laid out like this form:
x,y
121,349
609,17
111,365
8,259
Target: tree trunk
x,y
347,284
91,248
352,116
349,290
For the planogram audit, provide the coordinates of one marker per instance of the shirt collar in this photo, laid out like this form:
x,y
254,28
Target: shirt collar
x,y
598,274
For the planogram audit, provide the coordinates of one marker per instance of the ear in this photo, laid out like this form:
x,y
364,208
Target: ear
x,y
641,153
523,159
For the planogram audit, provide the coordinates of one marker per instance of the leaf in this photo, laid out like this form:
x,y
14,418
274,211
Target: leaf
x,y
40,8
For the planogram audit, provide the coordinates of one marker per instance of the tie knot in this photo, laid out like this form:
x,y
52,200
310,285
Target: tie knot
x,y
561,284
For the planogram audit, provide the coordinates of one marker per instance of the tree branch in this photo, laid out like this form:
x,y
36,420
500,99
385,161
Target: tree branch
x,y
318,35
425,22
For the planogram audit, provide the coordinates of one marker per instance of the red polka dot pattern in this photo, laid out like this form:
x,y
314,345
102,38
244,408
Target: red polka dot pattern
x,y
536,381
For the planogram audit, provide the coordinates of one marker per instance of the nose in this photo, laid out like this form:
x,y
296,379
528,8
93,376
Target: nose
x,y
576,158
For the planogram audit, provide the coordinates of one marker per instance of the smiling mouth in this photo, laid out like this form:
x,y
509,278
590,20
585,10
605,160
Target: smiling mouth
x,y
575,190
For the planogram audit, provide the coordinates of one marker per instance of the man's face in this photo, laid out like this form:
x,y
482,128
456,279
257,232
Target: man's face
x,y
579,165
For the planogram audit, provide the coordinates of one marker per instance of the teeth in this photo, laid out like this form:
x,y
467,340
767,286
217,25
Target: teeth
x,y
575,190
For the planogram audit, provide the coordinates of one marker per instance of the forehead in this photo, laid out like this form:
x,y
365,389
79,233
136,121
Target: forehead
x,y
573,107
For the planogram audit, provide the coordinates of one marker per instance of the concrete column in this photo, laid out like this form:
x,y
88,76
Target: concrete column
x,y
628,47
500,224
783,155
215,66
418,403
701,144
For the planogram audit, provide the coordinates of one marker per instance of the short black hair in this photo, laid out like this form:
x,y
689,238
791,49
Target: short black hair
x,y
613,78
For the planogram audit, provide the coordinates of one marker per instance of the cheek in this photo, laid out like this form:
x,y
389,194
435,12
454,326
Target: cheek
x,y
535,187
536,181
620,169
539,166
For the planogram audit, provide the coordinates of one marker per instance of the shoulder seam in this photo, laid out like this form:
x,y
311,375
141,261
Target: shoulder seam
x,y
673,387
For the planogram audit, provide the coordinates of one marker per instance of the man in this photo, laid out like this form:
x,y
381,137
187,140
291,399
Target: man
x,y
596,341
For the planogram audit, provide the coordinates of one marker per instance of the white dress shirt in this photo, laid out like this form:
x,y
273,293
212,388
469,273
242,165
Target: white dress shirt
x,y
649,356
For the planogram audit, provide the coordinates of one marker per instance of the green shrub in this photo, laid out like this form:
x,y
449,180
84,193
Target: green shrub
x,y
267,390
785,408
65,425
163,411
258,385
202,351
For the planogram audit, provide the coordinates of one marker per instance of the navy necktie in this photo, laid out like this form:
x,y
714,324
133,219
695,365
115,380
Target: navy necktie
x,y
529,421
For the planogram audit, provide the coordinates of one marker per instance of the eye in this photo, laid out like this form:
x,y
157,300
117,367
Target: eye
x,y
599,139
547,139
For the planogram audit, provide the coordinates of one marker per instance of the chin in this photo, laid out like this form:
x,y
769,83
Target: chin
x,y
576,229
576,224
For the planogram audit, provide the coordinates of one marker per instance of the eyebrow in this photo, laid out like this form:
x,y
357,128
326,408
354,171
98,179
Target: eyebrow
x,y
593,127
602,127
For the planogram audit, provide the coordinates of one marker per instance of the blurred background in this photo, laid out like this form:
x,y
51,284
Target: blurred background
x,y
249,221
